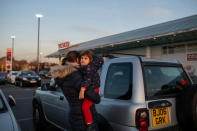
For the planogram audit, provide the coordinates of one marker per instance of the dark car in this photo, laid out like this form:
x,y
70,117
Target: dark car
x,y
3,77
27,77
45,74
194,78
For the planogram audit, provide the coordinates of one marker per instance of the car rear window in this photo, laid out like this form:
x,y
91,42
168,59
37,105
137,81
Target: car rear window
x,y
163,80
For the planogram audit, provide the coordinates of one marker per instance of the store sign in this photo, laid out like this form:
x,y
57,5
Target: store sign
x,y
9,59
64,45
192,57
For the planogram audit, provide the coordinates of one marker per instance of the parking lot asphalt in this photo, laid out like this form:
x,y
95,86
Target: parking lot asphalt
x,y
23,109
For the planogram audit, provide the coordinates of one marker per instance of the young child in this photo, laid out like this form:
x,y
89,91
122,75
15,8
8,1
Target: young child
x,y
91,81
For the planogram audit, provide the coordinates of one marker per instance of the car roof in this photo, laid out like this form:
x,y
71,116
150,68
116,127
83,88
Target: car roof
x,y
3,72
168,60
150,60
27,71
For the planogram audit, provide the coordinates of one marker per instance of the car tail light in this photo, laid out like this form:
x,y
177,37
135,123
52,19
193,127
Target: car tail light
x,y
183,83
142,119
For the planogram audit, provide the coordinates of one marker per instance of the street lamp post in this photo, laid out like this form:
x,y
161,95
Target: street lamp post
x,y
13,37
38,49
41,59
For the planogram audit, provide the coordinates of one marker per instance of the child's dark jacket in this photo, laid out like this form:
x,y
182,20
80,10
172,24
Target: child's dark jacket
x,y
91,78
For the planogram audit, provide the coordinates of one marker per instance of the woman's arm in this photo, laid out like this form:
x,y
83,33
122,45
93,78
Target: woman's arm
x,y
92,95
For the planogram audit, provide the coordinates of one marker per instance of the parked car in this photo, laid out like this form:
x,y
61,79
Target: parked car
x,y
3,77
137,93
7,119
11,76
45,74
27,77
194,78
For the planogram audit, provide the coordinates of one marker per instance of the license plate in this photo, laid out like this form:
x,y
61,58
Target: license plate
x,y
33,81
159,116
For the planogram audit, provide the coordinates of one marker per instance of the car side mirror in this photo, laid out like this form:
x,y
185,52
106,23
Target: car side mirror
x,y
11,101
47,86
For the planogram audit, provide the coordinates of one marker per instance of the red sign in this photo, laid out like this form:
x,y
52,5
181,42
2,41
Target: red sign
x,y
191,57
9,59
8,67
64,45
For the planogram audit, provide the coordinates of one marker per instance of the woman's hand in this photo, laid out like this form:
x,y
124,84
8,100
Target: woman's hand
x,y
81,93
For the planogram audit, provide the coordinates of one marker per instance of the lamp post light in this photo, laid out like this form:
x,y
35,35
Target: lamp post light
x,y
38,49
13,37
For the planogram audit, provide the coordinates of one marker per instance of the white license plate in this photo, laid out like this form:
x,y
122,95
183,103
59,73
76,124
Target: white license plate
x,y
32,81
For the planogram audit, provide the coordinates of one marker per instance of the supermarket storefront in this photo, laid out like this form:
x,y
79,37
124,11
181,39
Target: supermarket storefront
x,y
174,39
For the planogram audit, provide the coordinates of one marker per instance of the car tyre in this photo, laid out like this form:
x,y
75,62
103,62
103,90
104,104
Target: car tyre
x,y
103,125
186,108
39,120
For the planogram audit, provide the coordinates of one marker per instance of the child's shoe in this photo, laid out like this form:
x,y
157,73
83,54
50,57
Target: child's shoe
x,y
90,127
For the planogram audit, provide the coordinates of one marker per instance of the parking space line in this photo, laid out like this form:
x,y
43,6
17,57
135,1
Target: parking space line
x,y
23,98
26,119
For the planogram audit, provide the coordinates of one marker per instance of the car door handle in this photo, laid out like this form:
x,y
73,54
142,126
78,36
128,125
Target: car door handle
x,y
158,104
61,98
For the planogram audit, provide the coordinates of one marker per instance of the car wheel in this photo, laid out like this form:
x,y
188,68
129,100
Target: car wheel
x,y
38,118
103,125
186,105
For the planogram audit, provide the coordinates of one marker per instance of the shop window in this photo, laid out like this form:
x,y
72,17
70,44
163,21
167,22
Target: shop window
x,y
170,50
164,50
192,47
179,49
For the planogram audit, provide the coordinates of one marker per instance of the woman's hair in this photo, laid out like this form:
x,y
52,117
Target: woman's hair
x,y
64,61
88,53
72,56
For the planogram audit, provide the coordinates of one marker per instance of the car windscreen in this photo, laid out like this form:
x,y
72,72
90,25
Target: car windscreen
x,y
163,81
48,73
29,73
14,73
3,74
2,105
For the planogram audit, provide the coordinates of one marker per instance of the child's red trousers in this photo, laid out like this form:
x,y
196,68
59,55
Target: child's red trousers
x,y
86,109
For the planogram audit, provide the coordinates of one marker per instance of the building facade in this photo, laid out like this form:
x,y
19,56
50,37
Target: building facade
x,y
173,39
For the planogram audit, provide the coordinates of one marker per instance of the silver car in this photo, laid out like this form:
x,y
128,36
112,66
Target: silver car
x,y
137,93
7,119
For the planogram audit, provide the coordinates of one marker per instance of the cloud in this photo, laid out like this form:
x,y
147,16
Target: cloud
x,y
157,12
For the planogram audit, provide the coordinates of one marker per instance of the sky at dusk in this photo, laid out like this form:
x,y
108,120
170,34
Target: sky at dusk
x,y
79,21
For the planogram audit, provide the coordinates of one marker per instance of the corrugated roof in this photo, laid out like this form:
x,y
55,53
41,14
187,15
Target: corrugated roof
x,y
170,27
183,25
